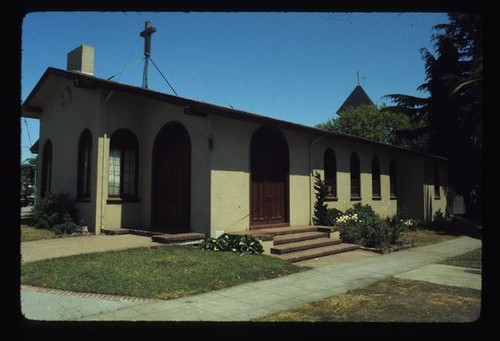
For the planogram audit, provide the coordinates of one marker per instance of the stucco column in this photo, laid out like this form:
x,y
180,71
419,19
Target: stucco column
x,y
101,161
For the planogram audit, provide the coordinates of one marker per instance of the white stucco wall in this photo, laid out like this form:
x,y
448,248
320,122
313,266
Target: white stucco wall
x,y
230,174
145,118
432,203
220,178
64,127
298,146
385,206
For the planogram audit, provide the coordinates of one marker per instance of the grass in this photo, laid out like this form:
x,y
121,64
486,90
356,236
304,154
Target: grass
x,y
164,272
424,237
29,234
390,300
472,259
431,235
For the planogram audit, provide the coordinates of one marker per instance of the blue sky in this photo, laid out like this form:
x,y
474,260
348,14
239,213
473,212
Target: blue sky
x,y
298,67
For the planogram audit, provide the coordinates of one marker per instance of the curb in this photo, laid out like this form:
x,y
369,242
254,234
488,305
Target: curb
x,y
89,295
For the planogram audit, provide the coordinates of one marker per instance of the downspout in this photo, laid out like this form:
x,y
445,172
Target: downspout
x,y
104,127
311,143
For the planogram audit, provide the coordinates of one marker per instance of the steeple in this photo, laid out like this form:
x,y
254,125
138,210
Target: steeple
x,y
357,97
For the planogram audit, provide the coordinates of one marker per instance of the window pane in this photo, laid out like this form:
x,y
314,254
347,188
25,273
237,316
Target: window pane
x,y
114,172
330,173
393,179
355,176
375,178
437,192
129,173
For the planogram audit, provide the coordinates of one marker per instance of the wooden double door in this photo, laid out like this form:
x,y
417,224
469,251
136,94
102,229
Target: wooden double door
x,y
269,163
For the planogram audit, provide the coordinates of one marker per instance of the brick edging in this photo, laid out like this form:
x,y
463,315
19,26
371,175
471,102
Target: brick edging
x,y
88,294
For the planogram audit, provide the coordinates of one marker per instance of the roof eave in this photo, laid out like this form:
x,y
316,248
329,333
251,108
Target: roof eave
x,y
88,81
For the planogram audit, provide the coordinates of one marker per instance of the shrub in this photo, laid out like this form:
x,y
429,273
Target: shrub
x,y
51,210
331,216
67,227
361,225
399,229
226,242
320,208
440,220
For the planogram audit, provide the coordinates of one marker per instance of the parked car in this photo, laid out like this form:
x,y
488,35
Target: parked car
x,y
24,200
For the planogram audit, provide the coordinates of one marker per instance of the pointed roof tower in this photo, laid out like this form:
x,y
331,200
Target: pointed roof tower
x,y
357,97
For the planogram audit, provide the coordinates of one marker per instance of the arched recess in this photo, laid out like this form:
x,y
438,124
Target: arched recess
x,y
171,180
269,178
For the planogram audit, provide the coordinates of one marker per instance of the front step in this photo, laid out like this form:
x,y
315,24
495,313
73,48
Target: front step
x,y
317,252
304,245
179,238
277,231
298,237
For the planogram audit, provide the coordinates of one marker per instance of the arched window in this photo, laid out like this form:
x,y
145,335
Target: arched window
x,y
393,179
355,177
376,192
46,167
437,191
330,167
123,165
84,165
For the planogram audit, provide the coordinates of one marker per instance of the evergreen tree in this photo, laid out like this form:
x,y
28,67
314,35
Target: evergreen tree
x,y
320,208
452,114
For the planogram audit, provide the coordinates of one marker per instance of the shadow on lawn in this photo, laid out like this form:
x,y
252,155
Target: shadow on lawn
x,y
459,226
27,220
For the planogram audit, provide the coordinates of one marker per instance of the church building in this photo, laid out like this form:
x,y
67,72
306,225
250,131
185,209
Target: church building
x,y
135,158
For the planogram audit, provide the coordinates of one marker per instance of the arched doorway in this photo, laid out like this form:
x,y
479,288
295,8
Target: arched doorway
x,y
171,180
269,167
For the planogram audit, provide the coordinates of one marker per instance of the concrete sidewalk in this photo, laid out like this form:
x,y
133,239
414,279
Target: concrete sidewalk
x,y
252,300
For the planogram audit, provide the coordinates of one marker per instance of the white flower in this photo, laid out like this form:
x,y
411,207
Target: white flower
x,y
348,218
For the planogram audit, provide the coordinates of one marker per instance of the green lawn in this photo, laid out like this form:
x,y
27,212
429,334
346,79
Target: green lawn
x,y
471,259
390,300
431,235
163,272
424,237
29,234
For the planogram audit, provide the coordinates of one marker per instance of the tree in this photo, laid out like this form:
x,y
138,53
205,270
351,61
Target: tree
x,y
320,208
452,114
369,122
28,170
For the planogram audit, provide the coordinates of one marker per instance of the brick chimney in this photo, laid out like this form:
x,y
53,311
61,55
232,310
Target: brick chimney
x,y
81,59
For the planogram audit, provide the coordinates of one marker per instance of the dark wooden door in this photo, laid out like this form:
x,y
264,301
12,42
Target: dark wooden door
x,y
172,180
269,178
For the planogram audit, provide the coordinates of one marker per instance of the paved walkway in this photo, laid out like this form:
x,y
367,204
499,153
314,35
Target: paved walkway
x,y
247,301
61,247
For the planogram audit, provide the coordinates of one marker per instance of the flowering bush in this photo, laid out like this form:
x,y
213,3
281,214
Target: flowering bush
x,y
411,224
399,228
361,225
348,218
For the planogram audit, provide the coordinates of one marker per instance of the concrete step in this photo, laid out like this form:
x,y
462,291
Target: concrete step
x,y
317,252
298,237
276,231
179,238
304,245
